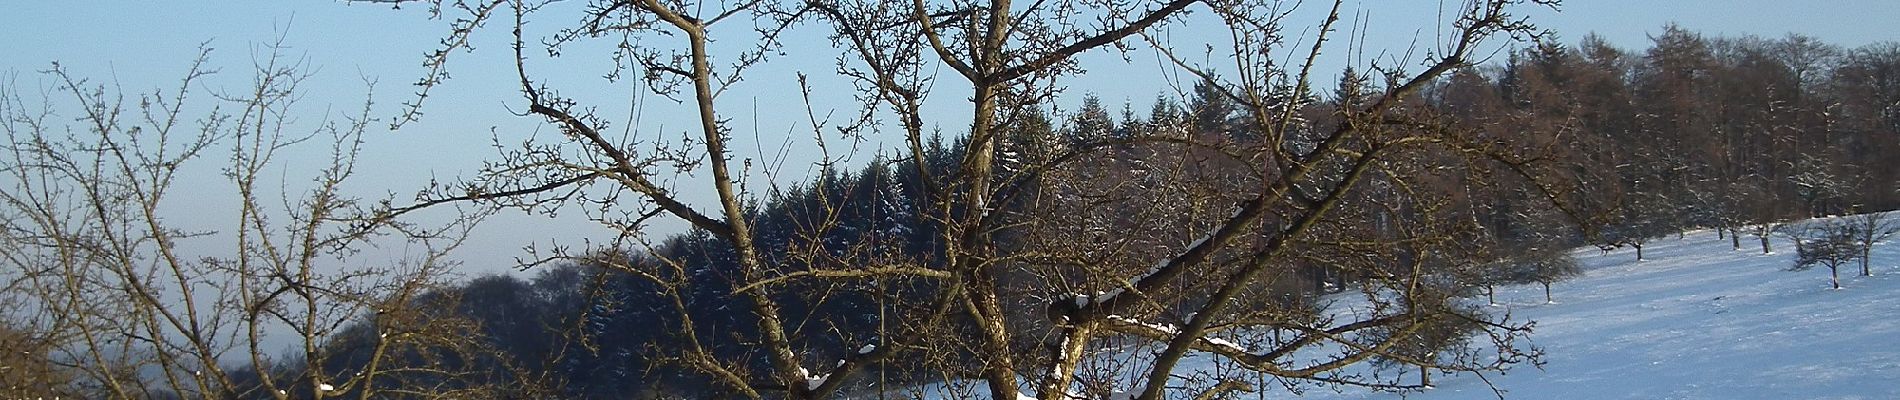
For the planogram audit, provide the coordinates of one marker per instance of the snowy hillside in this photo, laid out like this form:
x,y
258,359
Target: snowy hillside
x,y
1697,320
1701,321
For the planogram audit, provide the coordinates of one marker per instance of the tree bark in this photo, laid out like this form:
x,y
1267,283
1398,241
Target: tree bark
x,y
1866,255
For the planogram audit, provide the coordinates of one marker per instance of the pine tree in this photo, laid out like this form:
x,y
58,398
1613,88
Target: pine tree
x,y
1090,124
1212,113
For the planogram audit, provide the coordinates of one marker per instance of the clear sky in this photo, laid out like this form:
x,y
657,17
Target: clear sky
x,y
147,45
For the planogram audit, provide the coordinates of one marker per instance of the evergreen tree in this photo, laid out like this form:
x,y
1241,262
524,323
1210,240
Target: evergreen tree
x,y
1166,119
1212,112
1090,124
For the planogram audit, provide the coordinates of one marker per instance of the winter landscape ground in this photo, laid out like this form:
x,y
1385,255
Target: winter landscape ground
x,y
1696,320
1699,320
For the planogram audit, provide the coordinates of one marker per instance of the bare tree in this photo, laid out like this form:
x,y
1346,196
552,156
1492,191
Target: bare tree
x,y
1765,230
1544,267
1869,229
1248,211
1831,245
122,300
25,370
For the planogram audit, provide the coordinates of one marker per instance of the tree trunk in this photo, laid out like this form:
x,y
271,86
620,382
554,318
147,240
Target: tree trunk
x,y
1319,281
1764,246
1735,239
1491,294
1639,251
1425,376
1547,299
1866,254
1834,276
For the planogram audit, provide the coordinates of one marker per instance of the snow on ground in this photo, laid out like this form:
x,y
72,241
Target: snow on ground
x,y
1697,320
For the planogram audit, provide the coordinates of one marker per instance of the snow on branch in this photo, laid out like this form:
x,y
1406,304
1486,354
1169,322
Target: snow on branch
x,y
822,383
1168,331
1267,361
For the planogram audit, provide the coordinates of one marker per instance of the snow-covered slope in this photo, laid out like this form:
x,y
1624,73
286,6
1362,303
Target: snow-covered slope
x,y
1698,320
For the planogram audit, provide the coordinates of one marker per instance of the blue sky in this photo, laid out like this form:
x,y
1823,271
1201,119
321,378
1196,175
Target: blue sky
x,y
147,45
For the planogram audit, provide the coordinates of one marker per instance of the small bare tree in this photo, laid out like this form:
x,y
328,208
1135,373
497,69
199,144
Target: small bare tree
x,y
1831,245
1868,230
1763,231
1544,267
117,298
25,370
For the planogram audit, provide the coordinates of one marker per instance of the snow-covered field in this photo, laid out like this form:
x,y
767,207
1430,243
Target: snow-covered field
x,y
1696,320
